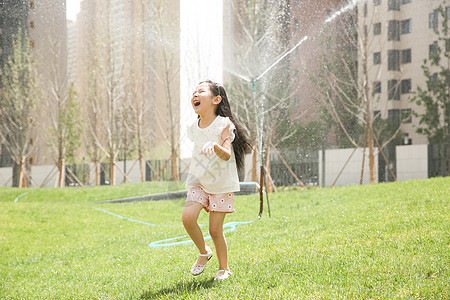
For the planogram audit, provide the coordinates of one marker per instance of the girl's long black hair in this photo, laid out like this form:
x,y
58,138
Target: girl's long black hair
x,y
241,144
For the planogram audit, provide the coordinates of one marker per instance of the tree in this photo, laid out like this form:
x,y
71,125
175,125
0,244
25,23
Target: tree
x,y
137,91
63,112
92,108
257,43
18,101
112,116
347,99
435,98
165,28
104,91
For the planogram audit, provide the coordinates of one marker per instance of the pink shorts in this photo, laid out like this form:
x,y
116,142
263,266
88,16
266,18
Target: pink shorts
x,y
211,202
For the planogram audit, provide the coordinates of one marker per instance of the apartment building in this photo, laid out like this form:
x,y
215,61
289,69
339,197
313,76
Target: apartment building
x,y
308,21
44,21
134,46
400,35
48,39
12,14
72,51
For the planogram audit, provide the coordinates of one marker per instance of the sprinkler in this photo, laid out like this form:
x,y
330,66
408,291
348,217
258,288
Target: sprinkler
x,y
259,127
260,122
260,115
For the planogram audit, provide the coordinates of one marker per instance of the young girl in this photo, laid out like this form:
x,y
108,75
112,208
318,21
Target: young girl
x,y
219,148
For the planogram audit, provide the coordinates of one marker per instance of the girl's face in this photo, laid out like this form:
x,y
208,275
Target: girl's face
x,y
203,101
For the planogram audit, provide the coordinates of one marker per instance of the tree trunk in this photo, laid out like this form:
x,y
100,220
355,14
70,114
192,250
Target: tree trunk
x,y
371,152
254,165
267,163
112,171
22,174
369,127
97,173
174,157
62,172
369,142
141,165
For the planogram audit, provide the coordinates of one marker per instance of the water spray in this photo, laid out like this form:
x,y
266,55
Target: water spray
x,y
260,123
260,129
346,8
260,114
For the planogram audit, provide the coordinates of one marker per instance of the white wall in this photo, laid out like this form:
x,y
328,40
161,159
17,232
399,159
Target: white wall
x,y
44,176
335,160
412,162
6,176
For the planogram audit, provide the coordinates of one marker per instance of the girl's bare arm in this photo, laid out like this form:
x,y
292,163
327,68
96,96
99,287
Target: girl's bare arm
x,y
223,151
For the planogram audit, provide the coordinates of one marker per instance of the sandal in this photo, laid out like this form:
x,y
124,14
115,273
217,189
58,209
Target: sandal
x,y
223,274
198,269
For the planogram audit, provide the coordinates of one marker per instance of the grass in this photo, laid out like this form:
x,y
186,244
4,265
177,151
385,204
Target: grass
x,y
378,241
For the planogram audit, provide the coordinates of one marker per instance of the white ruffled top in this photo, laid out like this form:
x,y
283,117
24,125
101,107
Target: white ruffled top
x,y
213,174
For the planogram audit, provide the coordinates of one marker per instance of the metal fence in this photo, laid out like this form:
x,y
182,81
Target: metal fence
x,y
438,160
80,174
158,170
385,172
304,165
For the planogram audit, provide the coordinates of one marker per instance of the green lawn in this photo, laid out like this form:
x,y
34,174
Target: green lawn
x,y
378,241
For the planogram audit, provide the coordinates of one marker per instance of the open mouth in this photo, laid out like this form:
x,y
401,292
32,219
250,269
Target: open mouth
x,y
196,103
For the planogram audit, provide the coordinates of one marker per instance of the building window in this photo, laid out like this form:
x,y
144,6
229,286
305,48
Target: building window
x,y
377,114
376,28
433,21
376,2
377,87
31,4
433,50
447,11
406,56
447,44
406,1
406,139
406,86
433,83
377,58
406,26
394,116
406,115
31,24
393,4
394,60
365,9
393,90
32,43
296,75
447,77
394,30
296,24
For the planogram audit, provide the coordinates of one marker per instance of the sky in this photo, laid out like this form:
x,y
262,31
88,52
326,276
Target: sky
x,y
200,57
73,7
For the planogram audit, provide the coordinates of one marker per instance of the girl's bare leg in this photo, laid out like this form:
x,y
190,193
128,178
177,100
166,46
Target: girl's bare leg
x,y
216,231
190,215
